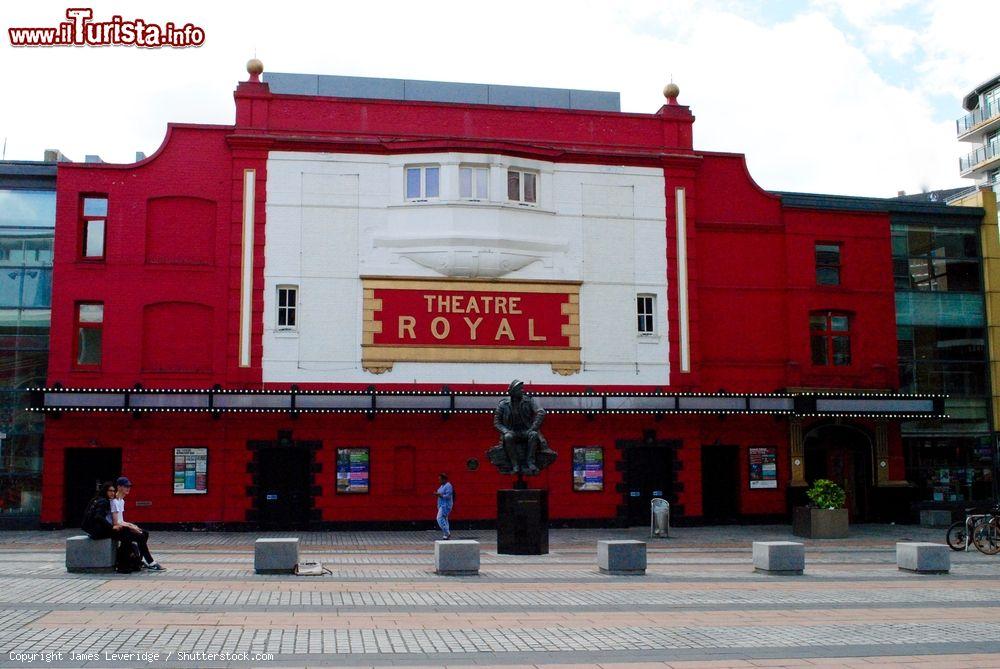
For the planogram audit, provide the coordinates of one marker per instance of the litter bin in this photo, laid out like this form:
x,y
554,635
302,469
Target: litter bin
x,y
659,518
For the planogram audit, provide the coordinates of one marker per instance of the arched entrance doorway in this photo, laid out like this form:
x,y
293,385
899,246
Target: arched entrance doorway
x,y
842,454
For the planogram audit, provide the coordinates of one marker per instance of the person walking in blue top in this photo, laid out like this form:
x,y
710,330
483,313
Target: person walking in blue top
x,y
446,499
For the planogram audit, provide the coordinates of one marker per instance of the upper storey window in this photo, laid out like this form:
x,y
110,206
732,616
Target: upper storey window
x,y
936,259
827,264
423,182
93,220
522,186
474,183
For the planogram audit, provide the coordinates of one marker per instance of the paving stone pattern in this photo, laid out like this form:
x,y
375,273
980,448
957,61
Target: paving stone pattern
x,y
382,605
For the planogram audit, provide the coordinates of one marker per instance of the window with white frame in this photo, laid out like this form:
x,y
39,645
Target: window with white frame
x,y
474,182
645,310
287,305
423,182
522,186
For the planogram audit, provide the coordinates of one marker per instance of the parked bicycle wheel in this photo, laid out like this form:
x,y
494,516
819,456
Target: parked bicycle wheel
x,y
957,536
987,537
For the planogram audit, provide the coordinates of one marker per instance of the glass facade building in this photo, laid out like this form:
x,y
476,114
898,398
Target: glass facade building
x,y
27,228
942,339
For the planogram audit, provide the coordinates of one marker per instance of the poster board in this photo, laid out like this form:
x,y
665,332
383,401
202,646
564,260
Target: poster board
x,y
588,469
353,470
763,467
190,471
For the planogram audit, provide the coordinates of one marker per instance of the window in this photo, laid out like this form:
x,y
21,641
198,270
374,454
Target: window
x,y
474,183
830,338
89,326
92,223
827,264
522,186
644,310
287,303
423,182
936,259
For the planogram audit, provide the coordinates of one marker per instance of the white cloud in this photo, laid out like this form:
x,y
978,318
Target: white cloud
x,y
801,97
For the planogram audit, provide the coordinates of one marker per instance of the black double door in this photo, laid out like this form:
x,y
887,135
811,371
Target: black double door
x,y
86,469
649,474
720,484
284,480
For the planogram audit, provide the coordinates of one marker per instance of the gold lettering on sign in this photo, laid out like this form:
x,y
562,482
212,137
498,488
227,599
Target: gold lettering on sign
x,y
504,331
473,326
406,324
440,332
514,305
531,332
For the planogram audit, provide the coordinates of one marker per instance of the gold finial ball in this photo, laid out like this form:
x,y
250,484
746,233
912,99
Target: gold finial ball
x,y
671,91
255,67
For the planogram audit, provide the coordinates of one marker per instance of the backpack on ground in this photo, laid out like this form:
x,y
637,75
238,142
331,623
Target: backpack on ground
x,y
128,558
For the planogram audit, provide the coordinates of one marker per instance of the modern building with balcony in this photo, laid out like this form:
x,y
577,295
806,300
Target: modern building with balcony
x,y
981,128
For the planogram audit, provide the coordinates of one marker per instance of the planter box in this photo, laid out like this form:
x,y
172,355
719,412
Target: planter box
x,y
819,523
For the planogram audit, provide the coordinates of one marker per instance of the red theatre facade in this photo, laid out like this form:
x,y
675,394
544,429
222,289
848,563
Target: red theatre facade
x,y
302,318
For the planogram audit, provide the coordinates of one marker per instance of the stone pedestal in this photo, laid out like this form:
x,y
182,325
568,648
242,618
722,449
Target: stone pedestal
x,y
522,522
456,558
779,557
621,558
84,554
923,558
275,556
935,518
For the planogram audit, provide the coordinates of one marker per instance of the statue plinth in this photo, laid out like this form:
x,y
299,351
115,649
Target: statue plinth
x,y
522,522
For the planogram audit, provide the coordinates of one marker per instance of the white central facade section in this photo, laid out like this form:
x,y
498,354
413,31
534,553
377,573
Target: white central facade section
x,y
333,218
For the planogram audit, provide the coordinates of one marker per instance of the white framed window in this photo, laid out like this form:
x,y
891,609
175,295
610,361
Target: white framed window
x,y
288,301
522,186
423,182
645,308
474,182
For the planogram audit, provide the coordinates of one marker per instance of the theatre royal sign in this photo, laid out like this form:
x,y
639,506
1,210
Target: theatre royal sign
x,y
446,320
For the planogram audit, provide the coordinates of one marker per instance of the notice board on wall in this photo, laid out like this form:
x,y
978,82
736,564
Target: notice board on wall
x,y
588,469
190,471
763,467
352,470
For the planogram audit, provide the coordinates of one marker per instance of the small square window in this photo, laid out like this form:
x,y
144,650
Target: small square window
x,y
473,183
287,306
522,186
423,182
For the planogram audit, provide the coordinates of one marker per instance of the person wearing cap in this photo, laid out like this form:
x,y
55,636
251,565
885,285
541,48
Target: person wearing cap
x,y
129,531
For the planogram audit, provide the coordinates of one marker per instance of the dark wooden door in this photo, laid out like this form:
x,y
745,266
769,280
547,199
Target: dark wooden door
x,y
86,469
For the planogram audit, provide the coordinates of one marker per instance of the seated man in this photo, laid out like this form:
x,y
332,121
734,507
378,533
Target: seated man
x,y
522,448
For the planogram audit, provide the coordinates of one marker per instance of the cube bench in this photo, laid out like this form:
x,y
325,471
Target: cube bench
x,y
456,558
923,557
779,557
621,557
275,556
84,554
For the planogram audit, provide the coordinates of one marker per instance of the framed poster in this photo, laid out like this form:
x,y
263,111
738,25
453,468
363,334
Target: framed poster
x,y
190,471
763,467
588,469
352,470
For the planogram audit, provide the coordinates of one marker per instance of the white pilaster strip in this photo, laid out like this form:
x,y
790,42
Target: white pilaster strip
x,y
246,262
682,280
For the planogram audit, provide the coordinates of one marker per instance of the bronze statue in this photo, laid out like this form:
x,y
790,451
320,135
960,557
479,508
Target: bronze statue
x,y
522,448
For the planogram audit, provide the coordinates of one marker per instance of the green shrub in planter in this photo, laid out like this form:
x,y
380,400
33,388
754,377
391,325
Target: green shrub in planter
x,y
826,494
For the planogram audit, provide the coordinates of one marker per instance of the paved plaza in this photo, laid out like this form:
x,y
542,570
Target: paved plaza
x,y
700,604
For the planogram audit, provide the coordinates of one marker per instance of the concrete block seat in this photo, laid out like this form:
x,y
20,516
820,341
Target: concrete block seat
x,y
84,554
779,557
923,558
275,556
621,557
456,558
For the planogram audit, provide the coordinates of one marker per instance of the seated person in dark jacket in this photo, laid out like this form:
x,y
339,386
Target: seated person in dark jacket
x,y
97,518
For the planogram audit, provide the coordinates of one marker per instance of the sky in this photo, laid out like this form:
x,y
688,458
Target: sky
x,y
854,97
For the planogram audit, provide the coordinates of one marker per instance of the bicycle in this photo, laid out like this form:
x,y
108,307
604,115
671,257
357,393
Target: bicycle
x,y
983,528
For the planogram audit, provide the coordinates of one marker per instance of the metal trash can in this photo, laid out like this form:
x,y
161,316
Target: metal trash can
x,y
659,517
